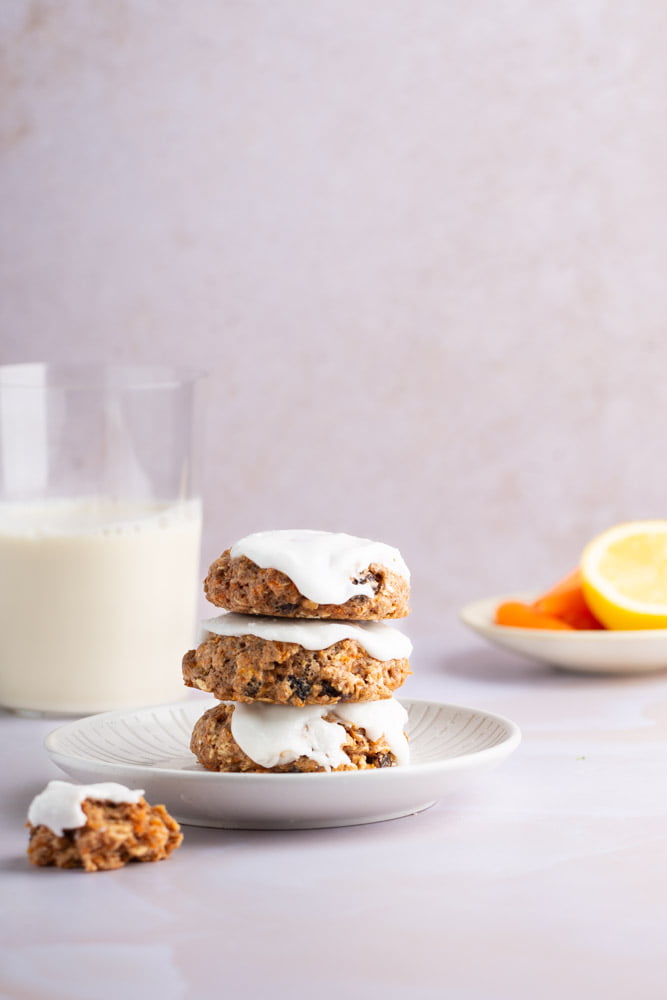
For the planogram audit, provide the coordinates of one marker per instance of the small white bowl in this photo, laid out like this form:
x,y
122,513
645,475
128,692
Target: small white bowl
x,y
591,651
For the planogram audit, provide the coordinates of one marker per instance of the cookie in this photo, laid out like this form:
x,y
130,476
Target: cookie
x,y
279,739
288,662
310,574
98,827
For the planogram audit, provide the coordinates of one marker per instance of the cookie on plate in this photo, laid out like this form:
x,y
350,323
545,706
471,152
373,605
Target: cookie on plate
x,y
310,574
281,739
297,662
98,827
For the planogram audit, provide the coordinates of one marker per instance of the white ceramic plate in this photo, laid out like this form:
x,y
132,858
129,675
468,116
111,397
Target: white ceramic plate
x,y
601,652
149,749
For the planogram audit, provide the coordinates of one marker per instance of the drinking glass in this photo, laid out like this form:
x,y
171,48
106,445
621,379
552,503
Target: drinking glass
x,y
100,533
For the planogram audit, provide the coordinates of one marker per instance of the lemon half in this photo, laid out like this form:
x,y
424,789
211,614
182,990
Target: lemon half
x,y
624,575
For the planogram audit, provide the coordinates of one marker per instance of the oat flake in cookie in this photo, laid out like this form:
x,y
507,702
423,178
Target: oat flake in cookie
x,y
310,574
98,827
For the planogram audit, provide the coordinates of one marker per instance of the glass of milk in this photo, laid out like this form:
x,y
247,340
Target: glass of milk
x,y
100,530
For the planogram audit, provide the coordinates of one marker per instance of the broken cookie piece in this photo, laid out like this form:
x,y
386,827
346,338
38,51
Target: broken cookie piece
x,y
98,827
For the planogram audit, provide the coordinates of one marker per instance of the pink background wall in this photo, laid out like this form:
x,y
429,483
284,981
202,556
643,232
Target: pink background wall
x,y
419,246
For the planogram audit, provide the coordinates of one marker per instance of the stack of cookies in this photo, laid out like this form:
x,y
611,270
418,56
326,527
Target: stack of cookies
x,y
301,662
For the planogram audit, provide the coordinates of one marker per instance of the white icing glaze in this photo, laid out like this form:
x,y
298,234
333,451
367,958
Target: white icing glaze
x,y
379,718
380,640
278,734
322,564
59,805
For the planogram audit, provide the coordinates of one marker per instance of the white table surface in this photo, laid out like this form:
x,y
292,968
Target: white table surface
x,y
546,878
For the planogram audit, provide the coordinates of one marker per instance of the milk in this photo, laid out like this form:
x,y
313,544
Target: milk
x,y
98,602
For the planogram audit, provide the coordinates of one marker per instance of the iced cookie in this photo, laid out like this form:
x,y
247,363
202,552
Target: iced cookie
x,y
297,662
278,738
310,574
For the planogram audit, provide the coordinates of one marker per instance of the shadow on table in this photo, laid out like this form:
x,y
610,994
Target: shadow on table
x,y
500,666
16,863
493,665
